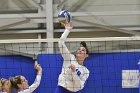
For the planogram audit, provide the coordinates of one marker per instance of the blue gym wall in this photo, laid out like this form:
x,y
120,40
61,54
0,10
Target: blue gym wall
x,y
105,71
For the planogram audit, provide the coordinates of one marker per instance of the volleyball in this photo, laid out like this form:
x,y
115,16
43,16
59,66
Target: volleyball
x,y
64,17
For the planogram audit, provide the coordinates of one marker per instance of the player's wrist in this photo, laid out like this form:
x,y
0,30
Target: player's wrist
x,y
39,72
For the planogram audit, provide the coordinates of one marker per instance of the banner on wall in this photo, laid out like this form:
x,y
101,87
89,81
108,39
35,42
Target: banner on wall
x,y
130,78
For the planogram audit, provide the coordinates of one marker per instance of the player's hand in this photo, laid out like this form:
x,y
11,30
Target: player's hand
x,y
72,67
68,26
38,68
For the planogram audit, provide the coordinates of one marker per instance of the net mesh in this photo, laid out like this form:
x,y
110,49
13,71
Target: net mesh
x,y
113,63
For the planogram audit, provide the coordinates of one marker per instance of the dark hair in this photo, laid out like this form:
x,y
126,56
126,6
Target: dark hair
x,y
15,81
83,43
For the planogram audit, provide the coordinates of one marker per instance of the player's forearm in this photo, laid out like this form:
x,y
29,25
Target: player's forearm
x,y
65,35
77,75
39,72
36,83
76,79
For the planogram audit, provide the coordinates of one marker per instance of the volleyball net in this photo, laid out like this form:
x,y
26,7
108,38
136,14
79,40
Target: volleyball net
x,y
113,62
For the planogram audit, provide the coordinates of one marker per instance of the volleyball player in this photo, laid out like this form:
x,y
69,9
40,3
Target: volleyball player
x,y
5,86
74,74
21,84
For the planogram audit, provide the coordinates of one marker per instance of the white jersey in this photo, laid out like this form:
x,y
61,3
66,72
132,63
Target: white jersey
x,y
33,86
72,81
